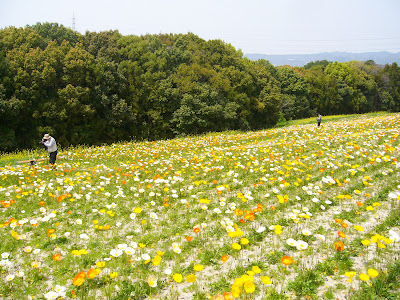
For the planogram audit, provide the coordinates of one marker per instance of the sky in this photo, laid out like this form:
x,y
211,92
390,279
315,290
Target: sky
x,y
254,26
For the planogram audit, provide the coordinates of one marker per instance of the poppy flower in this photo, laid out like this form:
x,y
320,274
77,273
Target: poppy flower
x,y
224,258
100,264
266,280
36,264
350,275
287,260
236,246
339,246
227,296
152,281
157,260
373,273
91,273
198,268
244,241
57,257
238,212
79,279
364,277
177,277
191,278
358,228
249,287
50,231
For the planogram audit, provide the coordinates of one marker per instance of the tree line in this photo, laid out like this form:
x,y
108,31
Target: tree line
x,y
105,87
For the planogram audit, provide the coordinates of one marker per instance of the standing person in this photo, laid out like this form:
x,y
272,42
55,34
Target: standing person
x,y
51,146
319,119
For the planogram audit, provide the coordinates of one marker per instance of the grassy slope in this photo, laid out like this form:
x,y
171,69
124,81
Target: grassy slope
x,y
387,284
12,158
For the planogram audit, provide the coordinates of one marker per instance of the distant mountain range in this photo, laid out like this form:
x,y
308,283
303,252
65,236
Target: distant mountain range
x,y
299,60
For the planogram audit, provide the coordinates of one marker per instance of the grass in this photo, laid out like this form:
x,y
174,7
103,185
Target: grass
x,y
386,286
325,119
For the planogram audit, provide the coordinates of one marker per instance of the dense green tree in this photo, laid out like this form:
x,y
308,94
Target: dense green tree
x,y
103,44
56,32
354,86
317,64
323,93
295,102
106,87
392,84
204,105
12,37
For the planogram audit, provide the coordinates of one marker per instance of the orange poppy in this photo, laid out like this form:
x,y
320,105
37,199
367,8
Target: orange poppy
x,y
79,279
341,234
57,257
249,215
339,246
287,260
91,273
344,225
238,212
189,238
227,296
224,258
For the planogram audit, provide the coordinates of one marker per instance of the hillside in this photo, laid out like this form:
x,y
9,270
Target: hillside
x,y
299,60
287,213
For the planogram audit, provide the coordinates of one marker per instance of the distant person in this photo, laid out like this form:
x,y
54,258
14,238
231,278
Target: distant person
x,y
51,146
319,119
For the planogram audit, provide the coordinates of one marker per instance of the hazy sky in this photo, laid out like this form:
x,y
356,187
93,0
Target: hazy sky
x,y
254,26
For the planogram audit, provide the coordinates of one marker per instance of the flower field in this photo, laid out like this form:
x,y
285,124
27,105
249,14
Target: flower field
x,y
294,212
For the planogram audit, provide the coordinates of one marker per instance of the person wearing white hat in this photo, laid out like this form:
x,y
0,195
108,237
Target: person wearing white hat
x,y
51,146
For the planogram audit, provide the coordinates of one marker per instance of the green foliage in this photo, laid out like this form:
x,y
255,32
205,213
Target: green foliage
x,y
306,283
57,32
105,87
385,286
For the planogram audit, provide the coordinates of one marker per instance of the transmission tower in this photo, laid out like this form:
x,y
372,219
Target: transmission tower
x,y
73,22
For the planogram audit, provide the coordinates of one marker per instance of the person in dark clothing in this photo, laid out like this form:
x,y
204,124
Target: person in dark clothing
x,y
319,119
